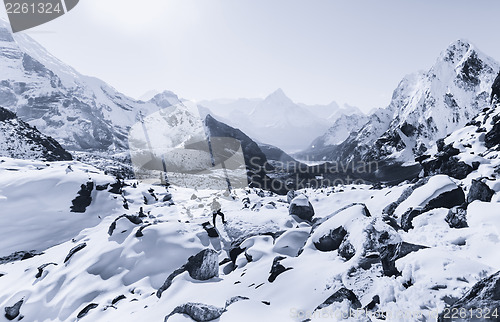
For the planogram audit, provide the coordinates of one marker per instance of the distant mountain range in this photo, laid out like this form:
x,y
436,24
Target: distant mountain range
x,y
425,106
279,121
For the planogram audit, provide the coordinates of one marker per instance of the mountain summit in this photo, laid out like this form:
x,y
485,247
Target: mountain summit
x,y
424,107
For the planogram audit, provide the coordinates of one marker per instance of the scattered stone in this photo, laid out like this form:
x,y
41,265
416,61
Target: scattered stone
x,y
277,268
202,266
117,299
198,311
479,191
41,268
12,312
74,250
339,296
457,217
83,200
101,187
86,310
20,255
331,241
346,249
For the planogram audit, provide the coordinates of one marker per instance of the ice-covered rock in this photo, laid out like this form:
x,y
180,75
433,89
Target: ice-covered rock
x,y
301,207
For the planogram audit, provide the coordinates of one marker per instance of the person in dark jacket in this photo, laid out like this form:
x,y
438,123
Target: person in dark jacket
x,y
216,210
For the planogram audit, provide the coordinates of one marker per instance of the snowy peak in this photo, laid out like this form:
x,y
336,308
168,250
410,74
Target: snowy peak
x,y
278,97
456,51
165,99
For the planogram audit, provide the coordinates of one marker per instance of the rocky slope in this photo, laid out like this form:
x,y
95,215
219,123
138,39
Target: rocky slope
x,y
19,140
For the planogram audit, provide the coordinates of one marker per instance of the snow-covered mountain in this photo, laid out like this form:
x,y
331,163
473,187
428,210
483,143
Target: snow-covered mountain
x,y
81,112
277,120
19,140
424,107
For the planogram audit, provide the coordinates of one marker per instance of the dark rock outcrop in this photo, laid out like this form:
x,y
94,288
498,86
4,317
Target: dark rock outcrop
x,y
457,217
12,312
22,141
198,311
277,268
20,255
339,296
136,220
495,89
41,268
448,199
202,266
479,191
74,250
84,199
483,297
297,208
445,162
331,241
86,310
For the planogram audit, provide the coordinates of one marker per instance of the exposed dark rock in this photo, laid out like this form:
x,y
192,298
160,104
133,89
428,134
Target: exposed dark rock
x,y
12,312
139,232
136,220
492,138
210,229
198,311
117,187
118,299
479,191
235,299
204,265
41,268
332,240
457,217
346,249
83,200
169,280
392,252
448,199
277,268
23,141
303,212
101,187
167,197
339,296
20,255
74,250
495,89
86,310
482,297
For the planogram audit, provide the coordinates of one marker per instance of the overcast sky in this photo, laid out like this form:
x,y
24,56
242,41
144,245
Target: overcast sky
x,y
317,51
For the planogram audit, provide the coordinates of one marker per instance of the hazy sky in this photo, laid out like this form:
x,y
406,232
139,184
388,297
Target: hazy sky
x,y
317,51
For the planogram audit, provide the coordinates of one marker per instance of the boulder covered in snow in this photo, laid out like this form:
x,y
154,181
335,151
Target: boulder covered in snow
x,y
198,311
479,191
301,207
439,192
481,303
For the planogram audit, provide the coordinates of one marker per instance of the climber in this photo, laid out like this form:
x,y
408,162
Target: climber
x,y
216,210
